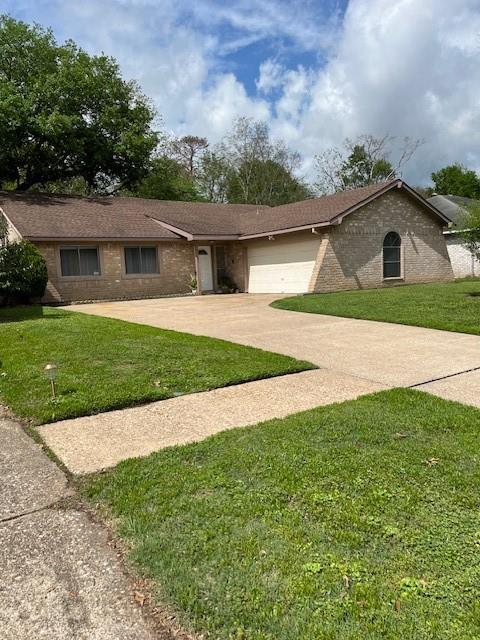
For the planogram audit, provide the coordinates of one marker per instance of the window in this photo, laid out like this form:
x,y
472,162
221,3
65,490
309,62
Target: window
x,y
141,260
392,251
80,261
221,265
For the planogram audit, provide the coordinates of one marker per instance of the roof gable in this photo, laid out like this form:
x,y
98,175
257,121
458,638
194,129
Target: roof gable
x,y
326,210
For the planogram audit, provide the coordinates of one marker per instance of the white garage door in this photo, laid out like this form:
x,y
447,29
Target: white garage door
x,y
283,265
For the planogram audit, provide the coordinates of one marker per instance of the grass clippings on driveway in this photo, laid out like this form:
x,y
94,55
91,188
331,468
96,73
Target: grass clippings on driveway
x,y
451,306
355,520
108,364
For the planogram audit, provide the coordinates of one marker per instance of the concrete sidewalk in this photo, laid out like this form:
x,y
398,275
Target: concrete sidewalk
x,y
59,578
94,442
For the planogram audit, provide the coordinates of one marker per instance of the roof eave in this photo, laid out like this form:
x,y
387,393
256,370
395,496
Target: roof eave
x,y
277,232
205,237
100,239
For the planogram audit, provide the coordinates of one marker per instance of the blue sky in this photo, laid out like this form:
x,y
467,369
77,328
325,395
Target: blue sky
x,y
316,71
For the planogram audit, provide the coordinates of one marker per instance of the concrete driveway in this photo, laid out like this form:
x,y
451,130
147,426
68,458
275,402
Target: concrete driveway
x,y
355,357
389,354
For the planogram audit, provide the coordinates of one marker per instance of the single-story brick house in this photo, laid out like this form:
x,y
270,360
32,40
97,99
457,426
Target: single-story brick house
x,y
464,263
108,248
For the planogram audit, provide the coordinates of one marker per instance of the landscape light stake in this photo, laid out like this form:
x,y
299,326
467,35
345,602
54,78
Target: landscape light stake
x,y
51,373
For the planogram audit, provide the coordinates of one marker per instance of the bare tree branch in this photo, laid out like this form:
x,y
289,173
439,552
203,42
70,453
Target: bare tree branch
x,y
362,161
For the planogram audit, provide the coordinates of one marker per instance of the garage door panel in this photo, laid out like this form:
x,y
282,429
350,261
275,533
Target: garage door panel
x,y
283,258
281,267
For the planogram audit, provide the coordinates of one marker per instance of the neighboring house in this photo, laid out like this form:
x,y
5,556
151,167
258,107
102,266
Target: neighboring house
x,y
464,263
107,248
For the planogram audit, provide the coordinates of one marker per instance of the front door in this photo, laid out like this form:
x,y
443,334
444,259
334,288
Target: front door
x,y
205,268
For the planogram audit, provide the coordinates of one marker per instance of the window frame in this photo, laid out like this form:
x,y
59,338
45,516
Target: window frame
x,y
79,247
400,259
225,266
150,274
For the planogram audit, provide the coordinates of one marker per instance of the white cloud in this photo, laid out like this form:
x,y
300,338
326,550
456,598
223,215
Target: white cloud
x,y
404,67
211,112
271,76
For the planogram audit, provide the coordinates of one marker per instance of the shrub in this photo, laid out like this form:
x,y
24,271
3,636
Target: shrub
x,y
23,273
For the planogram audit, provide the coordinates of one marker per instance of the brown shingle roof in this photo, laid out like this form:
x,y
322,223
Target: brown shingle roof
x,y
309,212
50,216
205,218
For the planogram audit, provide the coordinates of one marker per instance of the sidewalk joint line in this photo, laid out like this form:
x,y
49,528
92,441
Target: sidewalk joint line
x,y
450,375
26,513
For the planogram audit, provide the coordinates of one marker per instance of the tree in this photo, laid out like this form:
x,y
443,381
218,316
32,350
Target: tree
x,y
212,177
269,183
65,114
361,162
188,152
167,180
254,169
23,273
470,229
456,180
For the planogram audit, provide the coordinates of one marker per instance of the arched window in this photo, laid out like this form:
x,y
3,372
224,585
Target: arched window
x,y
392,251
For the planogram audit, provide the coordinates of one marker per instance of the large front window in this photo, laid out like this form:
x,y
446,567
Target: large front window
x,y
392,255
79,261
140,260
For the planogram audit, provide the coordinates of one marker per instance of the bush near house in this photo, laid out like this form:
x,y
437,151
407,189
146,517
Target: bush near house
x,y
23,273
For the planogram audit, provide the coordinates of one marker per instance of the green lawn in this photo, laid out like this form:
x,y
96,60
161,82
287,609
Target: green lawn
x,y
106,364
355,520
453,306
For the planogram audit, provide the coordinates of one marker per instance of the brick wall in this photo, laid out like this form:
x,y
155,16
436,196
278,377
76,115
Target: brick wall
x,y
235,254
176,263
350,254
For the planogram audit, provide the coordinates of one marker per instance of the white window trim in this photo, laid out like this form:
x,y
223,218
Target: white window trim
x,y
402,269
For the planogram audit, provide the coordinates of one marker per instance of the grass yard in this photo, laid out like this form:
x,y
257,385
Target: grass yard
x,y
355,520
107,364
451,306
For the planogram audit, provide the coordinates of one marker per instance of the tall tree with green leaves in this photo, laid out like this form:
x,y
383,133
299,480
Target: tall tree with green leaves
x,y
65,114
361,162
269,183
167,179
456,180
212,177
248,167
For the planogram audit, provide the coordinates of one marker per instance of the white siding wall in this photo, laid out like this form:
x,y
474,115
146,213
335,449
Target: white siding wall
x,y
463,263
